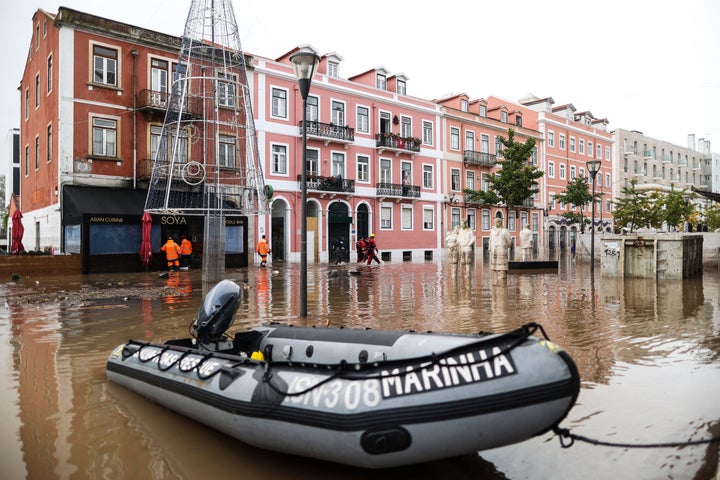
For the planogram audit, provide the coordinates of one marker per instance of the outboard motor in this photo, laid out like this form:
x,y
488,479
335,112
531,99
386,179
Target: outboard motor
x,y
215,316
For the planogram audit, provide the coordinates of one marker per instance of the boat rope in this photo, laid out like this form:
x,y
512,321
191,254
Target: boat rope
x,y
350,372
567,440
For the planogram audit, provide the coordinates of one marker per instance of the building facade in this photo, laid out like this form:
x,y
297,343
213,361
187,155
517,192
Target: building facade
x,y
379,161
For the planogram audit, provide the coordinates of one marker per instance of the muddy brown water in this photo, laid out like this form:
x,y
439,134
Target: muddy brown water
x,y
648,353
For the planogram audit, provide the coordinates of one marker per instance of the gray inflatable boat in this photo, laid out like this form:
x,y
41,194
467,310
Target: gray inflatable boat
x,y
367,398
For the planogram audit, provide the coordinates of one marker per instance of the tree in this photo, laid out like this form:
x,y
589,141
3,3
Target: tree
x,y
577,194
630,208
516,181
676,208
711,216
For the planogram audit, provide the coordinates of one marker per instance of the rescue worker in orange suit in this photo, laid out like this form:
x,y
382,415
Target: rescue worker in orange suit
x,y
172,252
263,249
185,253
371,249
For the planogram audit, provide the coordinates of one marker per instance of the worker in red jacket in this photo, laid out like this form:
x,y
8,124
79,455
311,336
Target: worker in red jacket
x,y
371,249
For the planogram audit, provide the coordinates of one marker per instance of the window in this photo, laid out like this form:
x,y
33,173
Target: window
x,y
581,148
607,153
155,139
428,218
590,149
598,151
338,164
279,103
551,169
37,36
484,183
385,217
27,160
406,214
49,143
333,69
104,137
159,76
469,140
226,89
338,113
311,162
572,144
105,65
534,157
427,133
607,179
503,117
385,173
464,105
512,220
313,109
363,168
363,120
572,172
471,221
37,152
518,120
37,90
27,103
454,217
483,110
562,171
470,180
561,142
455,179
485,215
427,176
381,81
454,138
484,144
498,147
226,150
279,160
401,87
551,138
405,127
49,74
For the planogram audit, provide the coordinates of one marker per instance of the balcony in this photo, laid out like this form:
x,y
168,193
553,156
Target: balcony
x,y
649,154
328,185
667,158
396,143
329,132
151,101
398,191
472,157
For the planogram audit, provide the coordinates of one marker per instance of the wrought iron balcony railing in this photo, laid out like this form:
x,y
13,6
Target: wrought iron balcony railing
x,y
397,190
396,142
149,100
478,158
329,131
328,184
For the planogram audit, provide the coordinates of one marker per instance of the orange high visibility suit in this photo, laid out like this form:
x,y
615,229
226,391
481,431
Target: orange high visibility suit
x,y
172,252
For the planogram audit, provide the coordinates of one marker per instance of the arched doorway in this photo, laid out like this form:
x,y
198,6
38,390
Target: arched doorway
x,y
339,220
362,222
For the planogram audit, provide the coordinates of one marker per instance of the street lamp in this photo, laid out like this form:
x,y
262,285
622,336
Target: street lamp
x,y
593,167
304,64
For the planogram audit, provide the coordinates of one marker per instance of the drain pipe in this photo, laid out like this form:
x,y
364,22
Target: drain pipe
x,y
135,54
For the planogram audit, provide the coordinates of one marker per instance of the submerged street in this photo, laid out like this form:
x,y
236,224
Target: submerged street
x,y
648,353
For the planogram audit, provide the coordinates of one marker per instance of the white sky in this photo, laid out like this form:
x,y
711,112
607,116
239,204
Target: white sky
x,y
648,65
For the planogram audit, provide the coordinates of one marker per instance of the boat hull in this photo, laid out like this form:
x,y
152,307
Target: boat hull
x,y
365,398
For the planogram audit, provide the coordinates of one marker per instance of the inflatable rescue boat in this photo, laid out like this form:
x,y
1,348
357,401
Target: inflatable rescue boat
x,y
367,398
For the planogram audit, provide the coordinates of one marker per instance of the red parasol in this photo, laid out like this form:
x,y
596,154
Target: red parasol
x,y
17,233
146,245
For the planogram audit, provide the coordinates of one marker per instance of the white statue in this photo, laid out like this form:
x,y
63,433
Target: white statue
x,y
466,239
500,241
451,241
526,243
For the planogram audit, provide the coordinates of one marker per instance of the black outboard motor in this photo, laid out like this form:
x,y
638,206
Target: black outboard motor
x,y
215,316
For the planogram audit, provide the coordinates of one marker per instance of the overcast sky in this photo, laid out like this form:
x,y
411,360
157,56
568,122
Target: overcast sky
x,y
648,65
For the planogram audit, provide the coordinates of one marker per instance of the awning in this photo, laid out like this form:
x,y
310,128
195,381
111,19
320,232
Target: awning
x,y
709,195
79,201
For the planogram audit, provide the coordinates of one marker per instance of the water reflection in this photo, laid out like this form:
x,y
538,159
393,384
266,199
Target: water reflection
x,y
62,419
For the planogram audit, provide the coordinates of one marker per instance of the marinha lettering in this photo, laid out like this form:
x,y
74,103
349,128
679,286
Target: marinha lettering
x,y
471,367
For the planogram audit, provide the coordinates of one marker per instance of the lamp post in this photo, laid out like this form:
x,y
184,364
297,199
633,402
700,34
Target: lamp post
x,y
304,64
593,167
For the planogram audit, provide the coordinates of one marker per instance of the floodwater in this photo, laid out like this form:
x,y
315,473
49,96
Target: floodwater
x,y
648,353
